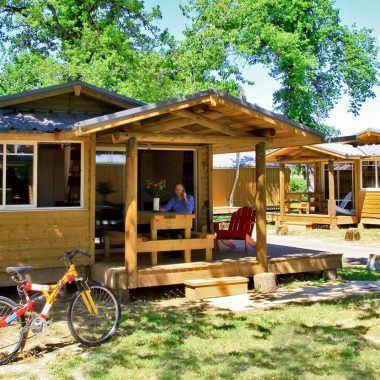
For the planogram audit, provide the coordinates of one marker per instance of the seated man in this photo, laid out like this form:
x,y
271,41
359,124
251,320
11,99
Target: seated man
x,y
182,203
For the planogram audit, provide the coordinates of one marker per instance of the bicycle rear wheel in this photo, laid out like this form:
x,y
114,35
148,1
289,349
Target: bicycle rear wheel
x,y
12,335
91,329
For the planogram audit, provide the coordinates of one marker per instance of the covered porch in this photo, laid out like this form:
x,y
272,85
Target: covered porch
x,y
333,182
208,122
226,262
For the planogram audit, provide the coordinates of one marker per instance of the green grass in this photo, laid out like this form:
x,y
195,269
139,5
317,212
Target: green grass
x,y
331,340
371,236
355,273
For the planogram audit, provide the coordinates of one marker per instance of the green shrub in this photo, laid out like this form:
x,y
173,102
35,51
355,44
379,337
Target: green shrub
x,y
298,185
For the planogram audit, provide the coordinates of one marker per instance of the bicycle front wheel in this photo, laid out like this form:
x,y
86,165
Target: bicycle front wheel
x,y
12,335
93,327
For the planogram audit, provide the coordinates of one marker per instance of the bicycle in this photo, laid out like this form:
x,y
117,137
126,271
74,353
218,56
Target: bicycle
x,y
93,314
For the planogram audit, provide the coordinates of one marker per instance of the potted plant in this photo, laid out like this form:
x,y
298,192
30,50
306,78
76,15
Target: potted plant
x,y
156,189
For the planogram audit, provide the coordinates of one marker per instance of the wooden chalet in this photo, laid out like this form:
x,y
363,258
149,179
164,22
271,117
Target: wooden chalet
x,y
56,141
346,182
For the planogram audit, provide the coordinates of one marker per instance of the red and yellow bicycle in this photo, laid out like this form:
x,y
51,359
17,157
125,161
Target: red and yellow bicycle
x,y
93,313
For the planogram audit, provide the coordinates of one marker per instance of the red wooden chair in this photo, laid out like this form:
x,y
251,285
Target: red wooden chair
x,y
240,228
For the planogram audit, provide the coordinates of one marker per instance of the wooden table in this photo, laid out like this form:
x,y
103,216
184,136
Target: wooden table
x,y
173,221
166,221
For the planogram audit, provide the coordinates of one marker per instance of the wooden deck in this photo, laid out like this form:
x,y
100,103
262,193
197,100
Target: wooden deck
x,y
315,219
172,270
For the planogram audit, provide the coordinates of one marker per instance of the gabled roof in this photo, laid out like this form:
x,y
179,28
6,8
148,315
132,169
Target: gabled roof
x,y
76,87
320,152
207,117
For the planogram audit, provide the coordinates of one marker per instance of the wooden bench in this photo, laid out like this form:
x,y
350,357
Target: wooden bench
x,y
144,244
216,287
117,237
187,245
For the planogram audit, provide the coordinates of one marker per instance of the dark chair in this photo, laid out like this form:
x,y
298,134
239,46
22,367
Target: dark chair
x,y
240,227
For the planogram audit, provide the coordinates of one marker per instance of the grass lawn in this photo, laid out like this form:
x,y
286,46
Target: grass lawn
x,y
370,235
174,339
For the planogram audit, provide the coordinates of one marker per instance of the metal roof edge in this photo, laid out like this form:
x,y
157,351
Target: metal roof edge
x,y
339,139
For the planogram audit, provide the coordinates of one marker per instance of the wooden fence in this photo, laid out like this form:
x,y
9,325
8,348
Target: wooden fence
x,y
245,191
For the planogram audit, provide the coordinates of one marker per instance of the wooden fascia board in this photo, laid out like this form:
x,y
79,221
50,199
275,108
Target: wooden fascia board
x,y
186,138
124,119
364,158
327,152
56,136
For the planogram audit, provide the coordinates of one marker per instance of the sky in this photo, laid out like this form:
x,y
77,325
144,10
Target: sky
x,y
364,13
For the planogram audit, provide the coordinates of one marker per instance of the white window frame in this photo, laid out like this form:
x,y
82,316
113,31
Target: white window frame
x,y
377,179
3,205
34,207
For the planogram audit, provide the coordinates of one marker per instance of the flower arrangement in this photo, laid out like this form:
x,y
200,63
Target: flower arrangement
x,y
156,188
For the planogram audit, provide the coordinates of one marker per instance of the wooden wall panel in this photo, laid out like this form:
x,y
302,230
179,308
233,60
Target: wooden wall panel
x,y
369,207
39,237
245,191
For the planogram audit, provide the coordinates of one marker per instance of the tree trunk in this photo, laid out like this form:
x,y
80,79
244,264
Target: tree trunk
x,y
231,199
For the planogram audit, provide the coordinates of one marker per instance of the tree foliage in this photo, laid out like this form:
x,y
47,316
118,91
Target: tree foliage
x,y
117,45
302,42
112,44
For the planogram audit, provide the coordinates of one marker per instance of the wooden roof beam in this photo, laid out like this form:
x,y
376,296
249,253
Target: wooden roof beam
x,y
206,122
165,126
186,139
130,116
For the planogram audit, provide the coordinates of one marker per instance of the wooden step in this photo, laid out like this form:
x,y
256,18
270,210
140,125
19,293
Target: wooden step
x,y
216,287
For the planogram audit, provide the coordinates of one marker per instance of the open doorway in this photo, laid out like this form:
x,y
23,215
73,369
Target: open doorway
x,y
171,165
153,164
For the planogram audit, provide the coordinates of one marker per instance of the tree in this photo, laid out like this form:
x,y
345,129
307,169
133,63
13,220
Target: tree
x,y
302,42
112,44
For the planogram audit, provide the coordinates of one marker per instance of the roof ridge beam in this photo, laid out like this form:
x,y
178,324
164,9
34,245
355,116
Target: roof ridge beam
x,y
186,138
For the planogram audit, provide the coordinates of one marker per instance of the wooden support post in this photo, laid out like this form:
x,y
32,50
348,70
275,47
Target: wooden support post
x,y
331,194
131,212
356,188
153,236
282,192
210,227
317,180
261,228
92,193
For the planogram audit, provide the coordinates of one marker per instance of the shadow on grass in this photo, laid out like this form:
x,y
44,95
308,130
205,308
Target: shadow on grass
x,y
193,337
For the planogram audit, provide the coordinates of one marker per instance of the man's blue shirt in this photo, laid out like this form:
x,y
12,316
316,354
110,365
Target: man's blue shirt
x,y
179,206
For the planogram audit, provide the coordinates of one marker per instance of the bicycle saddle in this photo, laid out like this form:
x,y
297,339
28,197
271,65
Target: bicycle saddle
x,y
18,270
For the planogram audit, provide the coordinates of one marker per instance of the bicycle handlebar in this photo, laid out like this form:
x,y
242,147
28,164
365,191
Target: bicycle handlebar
x,y
71,254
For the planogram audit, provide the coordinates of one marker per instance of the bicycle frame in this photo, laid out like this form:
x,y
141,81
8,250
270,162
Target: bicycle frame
x,y
49,292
